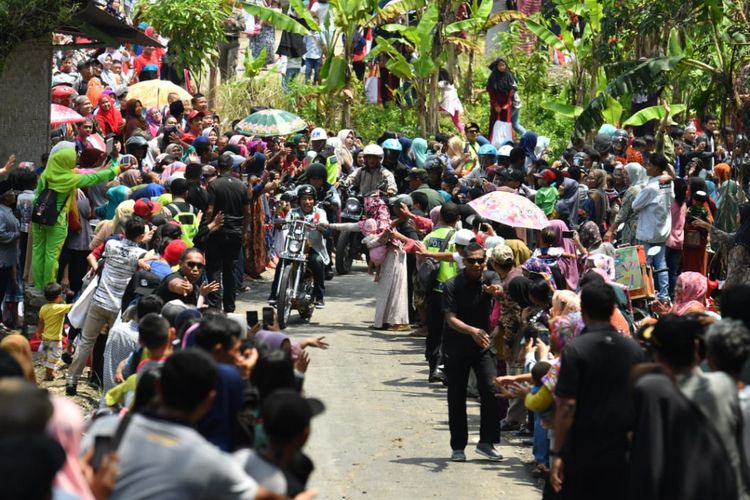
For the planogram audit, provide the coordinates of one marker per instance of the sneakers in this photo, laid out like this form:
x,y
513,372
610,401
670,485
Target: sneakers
x,y
320,303
438,375
71,389
458,456
488,451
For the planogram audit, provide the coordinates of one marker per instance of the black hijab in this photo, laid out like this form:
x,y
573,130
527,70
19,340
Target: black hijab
x,y
742,236
518,289
502,82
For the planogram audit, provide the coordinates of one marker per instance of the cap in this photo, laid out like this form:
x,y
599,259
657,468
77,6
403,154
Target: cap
x,y
417,172
547,174
145,208
195,114
318,134
493,241
464,237
208,171
487,150
173,252
286,413
504,150
501,253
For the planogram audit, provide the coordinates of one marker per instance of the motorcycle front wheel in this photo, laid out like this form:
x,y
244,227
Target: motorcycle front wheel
x,y
344,255
286,294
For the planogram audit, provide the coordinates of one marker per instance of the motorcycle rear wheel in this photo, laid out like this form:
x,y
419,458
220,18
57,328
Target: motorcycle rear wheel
x,y
344,257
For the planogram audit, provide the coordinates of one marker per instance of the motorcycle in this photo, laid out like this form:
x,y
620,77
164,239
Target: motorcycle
x,y
295,287
349,245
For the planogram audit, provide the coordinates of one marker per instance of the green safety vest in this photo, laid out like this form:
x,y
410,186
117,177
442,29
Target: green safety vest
x,y
433,242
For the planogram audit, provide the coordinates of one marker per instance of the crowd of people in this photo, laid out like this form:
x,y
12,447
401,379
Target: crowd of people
x,y
142,225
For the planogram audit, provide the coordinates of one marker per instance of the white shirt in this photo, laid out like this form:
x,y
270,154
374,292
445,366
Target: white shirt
x,y
652,205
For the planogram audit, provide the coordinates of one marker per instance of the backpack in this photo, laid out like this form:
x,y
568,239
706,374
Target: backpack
x,y
428,270
45,210
189,224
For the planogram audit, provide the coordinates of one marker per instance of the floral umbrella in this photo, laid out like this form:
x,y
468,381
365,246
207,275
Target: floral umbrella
x,y
271,123
60,114
510,209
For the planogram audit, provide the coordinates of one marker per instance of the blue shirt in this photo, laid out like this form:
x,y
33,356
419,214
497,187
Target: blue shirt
x,y
152,190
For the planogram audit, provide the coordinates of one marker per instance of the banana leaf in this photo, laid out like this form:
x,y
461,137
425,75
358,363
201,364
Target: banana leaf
x,y
336,78
674,49
545,35
652,113
563,109
505,16
424,31
302,12
394,9
613,111
279,20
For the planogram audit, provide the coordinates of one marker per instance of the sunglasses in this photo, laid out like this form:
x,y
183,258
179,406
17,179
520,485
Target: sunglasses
x,y
194,265
474,261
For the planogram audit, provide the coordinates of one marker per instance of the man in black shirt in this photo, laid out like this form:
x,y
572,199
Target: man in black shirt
x,y
594,412
196,194
227,195
183,284
467,345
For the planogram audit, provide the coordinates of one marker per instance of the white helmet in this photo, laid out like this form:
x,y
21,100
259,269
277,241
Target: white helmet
x,y
504,150
318,134
372,150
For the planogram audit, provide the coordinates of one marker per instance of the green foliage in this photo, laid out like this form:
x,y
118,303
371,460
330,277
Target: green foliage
x,y
253,65
195,28
24,20
652,113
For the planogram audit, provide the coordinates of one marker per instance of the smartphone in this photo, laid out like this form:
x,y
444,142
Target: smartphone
x,y
252,318
125,161
102,448
110,145
568,234
268,317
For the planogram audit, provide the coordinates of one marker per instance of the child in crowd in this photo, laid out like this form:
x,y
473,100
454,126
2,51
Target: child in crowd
x,y
540,447
547,194
51,319
546,251
450,104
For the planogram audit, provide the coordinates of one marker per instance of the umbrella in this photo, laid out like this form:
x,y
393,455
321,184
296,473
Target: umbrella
x,y
271,123
510,209
60,114
153,93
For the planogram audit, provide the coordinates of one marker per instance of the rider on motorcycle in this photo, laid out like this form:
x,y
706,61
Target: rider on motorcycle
x,y
318,257
369,178
328,196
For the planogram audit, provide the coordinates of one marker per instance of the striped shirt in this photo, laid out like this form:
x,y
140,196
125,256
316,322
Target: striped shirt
x,y
120,263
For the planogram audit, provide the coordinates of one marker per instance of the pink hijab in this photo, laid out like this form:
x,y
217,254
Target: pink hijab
x,y
568,267
235,140
693,295
66,427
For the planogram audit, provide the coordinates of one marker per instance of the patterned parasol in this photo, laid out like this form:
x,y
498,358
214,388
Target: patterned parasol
x,y
510,209
271,123
60,114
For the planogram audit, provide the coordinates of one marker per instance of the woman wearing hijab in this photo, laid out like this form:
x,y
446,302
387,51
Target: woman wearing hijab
x,y
568,267
18,346
59,177
730,198
405,157
108,117
694,248
635,178
66,426
596,205
107,228
528,144
115,196
133,119
565,302
689,295
153,121
419,151
737,245
567,206
501,86
256,254
521,252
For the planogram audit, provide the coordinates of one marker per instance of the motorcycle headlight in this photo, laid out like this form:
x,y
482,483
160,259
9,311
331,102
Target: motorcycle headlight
x,y
352,205
294,246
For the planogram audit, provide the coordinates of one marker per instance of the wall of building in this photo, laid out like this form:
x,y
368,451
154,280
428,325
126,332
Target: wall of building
x,y
25,102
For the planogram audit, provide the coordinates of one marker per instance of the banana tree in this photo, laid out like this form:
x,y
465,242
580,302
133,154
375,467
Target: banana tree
x,y
421,68
479,21
344,18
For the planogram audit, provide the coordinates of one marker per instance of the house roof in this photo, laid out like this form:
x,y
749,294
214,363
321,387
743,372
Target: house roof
x,y
92,22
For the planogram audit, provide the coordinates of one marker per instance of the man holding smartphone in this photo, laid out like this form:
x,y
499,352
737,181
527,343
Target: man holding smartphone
x,y
467,346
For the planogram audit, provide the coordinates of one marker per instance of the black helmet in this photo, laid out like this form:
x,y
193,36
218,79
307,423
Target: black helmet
x,y
433,162
620,138
602,143
306,190
317,171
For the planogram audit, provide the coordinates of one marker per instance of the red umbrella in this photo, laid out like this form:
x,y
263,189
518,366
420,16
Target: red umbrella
x,y
63,114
